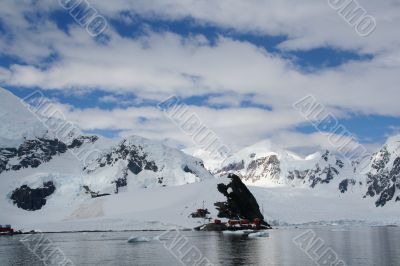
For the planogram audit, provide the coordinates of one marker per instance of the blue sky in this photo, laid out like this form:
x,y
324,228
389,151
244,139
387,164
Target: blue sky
x,y
240,72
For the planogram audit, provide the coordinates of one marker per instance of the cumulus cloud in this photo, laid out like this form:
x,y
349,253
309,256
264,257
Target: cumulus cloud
x,y
159,64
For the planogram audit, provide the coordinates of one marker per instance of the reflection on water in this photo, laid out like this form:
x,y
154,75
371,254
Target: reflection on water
x,y
355,246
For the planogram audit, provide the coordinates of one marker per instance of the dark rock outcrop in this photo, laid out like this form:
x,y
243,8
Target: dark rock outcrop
x,y
297,174
325,156
315,175
133,154
78,142
263,167
187,169
339,163
240,201
327,174
121,181
32,199
94,194
269,168
231,167
32,153
344,185
383,180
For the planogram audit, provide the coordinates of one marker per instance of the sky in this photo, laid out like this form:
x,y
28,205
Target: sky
x,y
238,65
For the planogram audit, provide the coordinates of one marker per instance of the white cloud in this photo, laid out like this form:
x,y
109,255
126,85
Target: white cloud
x,y
169,65
308,24
158,126
160,64
235,127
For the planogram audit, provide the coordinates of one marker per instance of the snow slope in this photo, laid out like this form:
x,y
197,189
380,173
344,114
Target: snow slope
x,y
135,209
170,207
17,122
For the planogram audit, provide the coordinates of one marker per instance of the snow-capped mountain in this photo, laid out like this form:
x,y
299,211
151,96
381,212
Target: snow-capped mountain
x,y
266,165
72,181
134,161
146,164
383,177
46,170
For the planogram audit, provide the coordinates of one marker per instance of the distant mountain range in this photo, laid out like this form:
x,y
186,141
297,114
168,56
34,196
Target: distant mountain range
x,y
264,165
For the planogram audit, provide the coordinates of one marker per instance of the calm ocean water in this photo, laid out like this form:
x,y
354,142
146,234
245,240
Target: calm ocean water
x,y
354,246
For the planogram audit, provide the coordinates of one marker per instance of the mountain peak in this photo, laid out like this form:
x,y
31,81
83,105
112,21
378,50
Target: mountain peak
x,y
17,122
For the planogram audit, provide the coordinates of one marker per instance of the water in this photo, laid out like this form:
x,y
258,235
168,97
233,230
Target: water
x,y
355,246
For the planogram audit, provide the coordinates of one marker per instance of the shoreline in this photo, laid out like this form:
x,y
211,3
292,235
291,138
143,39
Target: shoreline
x,y
194,229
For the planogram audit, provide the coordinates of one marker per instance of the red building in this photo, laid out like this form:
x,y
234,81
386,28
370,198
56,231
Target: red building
x,y
6,229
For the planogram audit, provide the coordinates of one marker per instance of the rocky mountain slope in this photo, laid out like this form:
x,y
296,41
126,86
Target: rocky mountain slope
x,y
383,176
40,166
267,166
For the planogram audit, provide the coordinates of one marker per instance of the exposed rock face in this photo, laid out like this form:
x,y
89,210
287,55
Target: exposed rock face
x,y
240,202
324,176
187,169
121,181
344,185
323,172
297,174
94,194
78,142
384,179
265,167
268,168
135,160
133,154
33,153
231,167
32,199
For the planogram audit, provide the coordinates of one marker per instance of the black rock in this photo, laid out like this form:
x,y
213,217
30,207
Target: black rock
x,y
135,166
31,153
231,167
32,199
133,154
94,194
269,166
343,186
325,156
122,181
78,142
187,169
384,181
240,201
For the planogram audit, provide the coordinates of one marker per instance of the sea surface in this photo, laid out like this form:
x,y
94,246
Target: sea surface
x,y
284,246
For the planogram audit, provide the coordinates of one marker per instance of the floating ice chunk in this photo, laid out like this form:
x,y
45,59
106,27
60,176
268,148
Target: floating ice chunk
x,y
138,239
233,232
238,232
258,234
